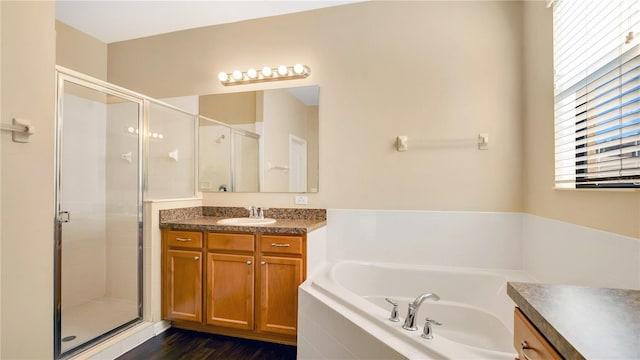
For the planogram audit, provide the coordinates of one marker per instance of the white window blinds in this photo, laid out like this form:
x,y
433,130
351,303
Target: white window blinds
x,y
597,93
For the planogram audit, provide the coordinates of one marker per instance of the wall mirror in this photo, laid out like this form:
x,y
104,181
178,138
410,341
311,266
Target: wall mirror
x,y
271,144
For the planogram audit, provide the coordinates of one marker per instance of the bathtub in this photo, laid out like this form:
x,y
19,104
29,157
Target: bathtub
x,y
474,309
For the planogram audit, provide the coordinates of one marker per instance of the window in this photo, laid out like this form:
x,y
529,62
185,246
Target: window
x,y
597,93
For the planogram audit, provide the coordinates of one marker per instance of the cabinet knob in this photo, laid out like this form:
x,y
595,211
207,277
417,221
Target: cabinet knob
x,y
196,258
249,262
262,262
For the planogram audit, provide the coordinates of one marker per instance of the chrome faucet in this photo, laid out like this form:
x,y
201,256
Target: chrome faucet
x,y
256,212
412,311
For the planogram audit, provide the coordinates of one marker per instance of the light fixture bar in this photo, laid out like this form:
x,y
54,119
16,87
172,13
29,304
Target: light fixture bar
x,y
282,72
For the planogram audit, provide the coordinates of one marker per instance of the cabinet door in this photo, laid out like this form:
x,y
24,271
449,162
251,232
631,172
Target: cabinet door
x,y
528,340
183,285
230,290
279,281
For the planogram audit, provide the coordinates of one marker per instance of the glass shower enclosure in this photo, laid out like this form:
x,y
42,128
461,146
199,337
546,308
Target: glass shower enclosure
x,y
98,237
114,149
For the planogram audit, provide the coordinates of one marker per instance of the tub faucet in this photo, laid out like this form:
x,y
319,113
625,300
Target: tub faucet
x,y
412,311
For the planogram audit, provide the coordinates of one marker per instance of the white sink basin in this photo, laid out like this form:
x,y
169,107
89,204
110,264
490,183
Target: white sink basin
x,y
246,221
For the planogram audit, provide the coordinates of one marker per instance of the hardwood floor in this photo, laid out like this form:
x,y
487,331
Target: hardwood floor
x,y
175,344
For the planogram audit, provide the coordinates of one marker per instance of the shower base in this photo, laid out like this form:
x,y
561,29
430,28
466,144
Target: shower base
x,y
94,318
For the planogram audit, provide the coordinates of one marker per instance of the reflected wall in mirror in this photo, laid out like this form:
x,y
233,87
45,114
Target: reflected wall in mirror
x,y
283,157
214,156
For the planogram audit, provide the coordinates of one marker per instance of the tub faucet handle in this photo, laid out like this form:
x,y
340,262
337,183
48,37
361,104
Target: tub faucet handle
x,y
427,332
394,311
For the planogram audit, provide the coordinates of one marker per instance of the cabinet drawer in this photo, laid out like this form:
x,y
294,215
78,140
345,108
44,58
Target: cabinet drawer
x,y
188,239
538,348
237,242
281,244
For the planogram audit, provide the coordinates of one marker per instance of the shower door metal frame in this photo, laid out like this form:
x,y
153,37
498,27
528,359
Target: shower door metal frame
x,y
65,75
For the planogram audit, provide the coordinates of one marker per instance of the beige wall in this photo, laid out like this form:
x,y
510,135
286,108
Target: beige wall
x,y
80,52
430,70
616,211
28,88
235,108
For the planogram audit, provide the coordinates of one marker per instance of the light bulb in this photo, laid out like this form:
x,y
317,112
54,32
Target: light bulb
x,y
222,76
282,70
266,71
160,136
252,73
237,74
130,129
298,69
154,135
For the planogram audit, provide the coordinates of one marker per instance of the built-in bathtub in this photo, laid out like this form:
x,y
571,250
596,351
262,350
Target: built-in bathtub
x,y
476,313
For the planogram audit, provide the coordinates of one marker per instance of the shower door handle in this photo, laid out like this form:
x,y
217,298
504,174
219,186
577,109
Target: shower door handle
x,y
64,217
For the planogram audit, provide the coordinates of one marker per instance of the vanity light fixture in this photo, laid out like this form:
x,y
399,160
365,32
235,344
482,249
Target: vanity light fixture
x,y
282,72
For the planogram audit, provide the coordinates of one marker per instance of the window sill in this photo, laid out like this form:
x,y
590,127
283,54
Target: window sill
x,y
598,189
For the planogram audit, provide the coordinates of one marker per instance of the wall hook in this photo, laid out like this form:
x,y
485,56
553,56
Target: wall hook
x,y
402,143
483,141
174,155
126,157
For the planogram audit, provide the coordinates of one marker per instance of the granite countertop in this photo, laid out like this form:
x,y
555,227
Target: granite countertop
x,y
583,322
281,226
288,221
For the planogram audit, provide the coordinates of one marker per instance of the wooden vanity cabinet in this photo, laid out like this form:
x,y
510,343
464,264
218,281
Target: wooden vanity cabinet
x,y
250,287
537,347
182,275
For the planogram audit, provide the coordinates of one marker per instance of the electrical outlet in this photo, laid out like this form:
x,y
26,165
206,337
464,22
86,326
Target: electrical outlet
x,y
301,200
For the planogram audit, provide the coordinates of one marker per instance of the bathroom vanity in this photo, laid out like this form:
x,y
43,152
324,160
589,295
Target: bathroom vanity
x,y
235,280
575,322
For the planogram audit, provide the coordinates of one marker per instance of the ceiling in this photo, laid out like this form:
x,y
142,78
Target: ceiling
x,y
113,21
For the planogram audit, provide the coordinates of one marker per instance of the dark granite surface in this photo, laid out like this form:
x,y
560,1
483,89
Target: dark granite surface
x,y
583,322
274,213
288,221
180,214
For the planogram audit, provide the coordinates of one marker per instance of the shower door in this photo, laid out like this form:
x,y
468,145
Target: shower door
x,y
98,204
